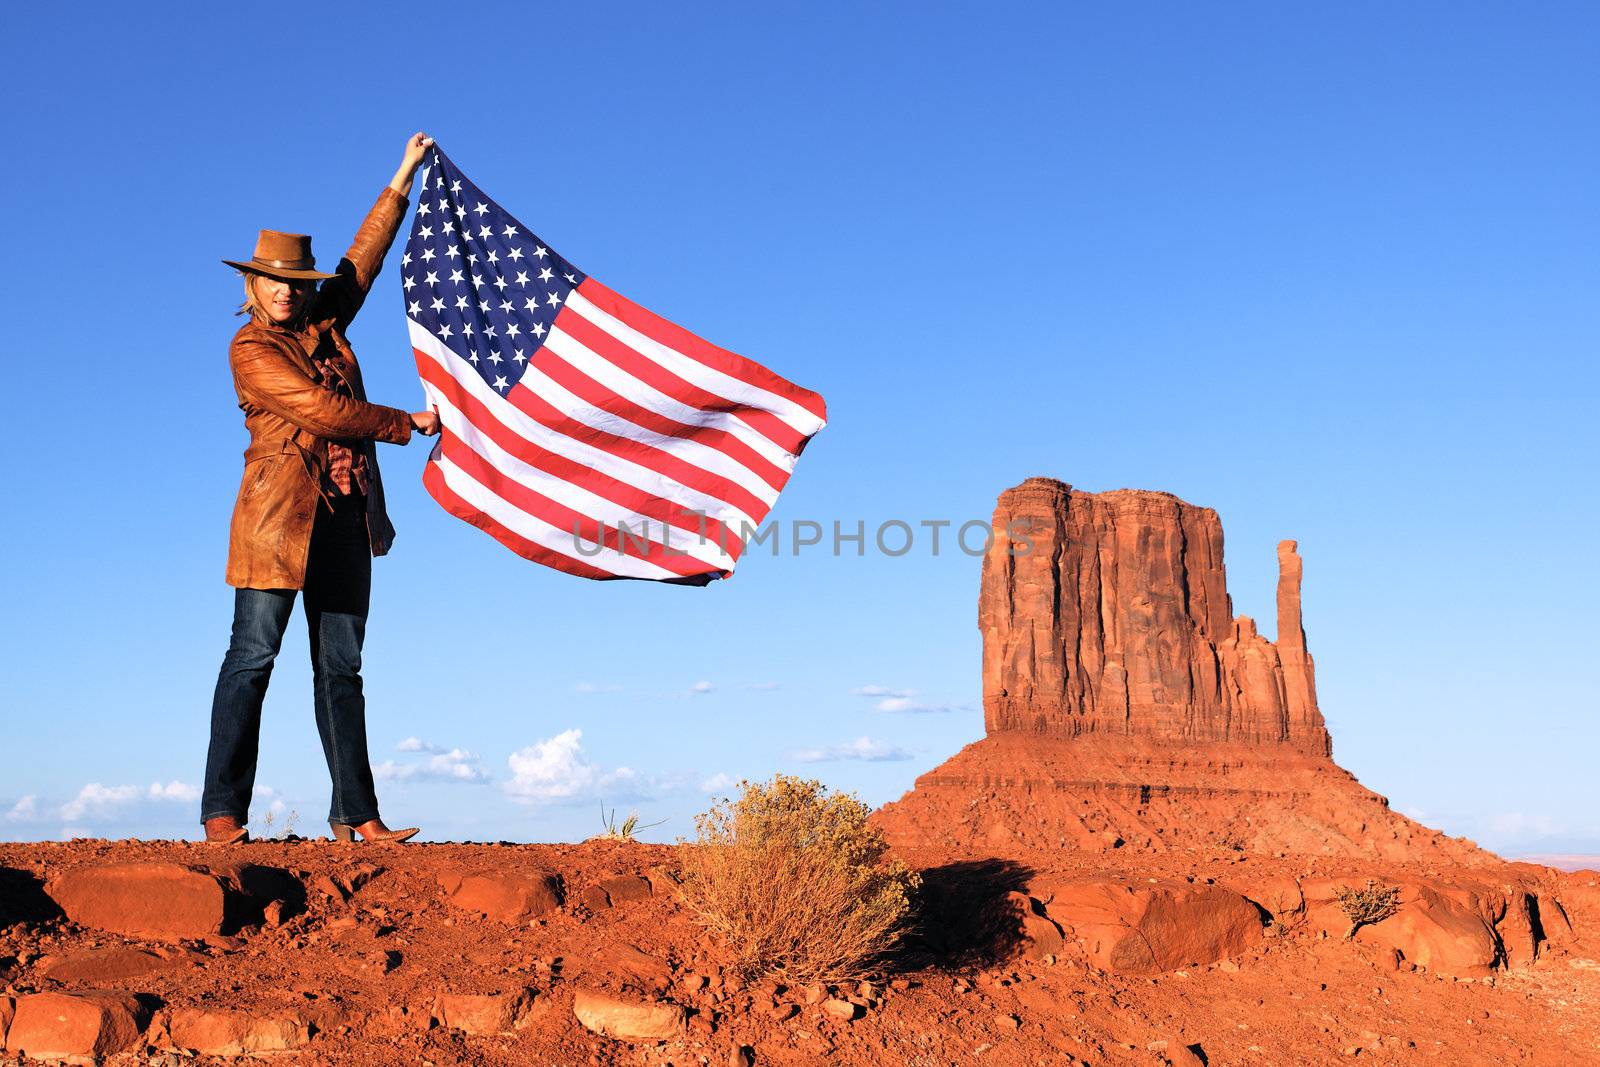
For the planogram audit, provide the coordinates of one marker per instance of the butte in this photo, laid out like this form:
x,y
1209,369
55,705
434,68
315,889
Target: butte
x,y
1126,706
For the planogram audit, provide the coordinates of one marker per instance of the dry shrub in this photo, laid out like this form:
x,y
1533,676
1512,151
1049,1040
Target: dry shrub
x,y
1370,904
796,883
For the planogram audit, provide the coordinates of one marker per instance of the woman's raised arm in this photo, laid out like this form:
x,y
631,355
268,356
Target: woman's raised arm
x,y
418,144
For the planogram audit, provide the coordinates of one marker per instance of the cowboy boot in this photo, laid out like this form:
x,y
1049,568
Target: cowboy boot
x,y
225,830
371,830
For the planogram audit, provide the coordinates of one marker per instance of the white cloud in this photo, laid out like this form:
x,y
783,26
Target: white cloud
x,y
596,687
103,801
883,691
24,810
701,688
764,687
913,706
862,748
557,771
442,765
717,783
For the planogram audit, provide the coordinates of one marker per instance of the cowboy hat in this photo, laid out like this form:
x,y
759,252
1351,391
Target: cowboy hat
x,y
281,255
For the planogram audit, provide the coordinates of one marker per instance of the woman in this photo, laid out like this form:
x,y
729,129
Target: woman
x,y
309,515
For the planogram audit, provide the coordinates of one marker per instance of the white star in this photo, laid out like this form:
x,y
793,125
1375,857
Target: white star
x,y
488,331
444,331
461,212
427,255
482,209
501,384
532,304
422,208
573,278
500,283
440,183
449,227
494,257
466,330
505,305
455,276
494,357
483,306
437,305
474,357
408,283
477,281
541,252
511,231
453,251
425,232
516,253
455,186
444,205
546,274
485,232
538,329
554,300
405,259
512,329
432,278
519,357
414,308
472,258
522,277
461,303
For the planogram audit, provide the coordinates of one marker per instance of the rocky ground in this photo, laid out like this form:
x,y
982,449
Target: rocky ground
x,y
312,952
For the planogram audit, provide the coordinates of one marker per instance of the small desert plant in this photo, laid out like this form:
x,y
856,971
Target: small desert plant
x,y
283,833
796,883
623,831
1370,904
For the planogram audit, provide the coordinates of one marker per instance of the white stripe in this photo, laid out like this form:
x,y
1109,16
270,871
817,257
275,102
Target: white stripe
x,y
575,496
649,397
695,372
700,455
530,429
542,533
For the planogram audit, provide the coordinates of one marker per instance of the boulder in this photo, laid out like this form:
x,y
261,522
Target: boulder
x,y
220,1032
1038,936
484,1013
97,966
1150,927
168,900
92,1023
625,887
8,1009
624,965
1279,897
504,896
628,1018
1447,928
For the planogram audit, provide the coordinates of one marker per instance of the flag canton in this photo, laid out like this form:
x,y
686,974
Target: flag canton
x,y
477,280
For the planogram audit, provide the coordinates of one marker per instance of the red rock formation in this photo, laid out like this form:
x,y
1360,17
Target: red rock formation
x,y
1109,613
1125,703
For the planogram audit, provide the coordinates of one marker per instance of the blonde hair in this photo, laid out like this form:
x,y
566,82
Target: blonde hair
x,y
256,308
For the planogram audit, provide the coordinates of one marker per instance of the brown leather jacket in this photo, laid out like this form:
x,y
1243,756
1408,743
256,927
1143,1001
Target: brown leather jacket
x,y
291,417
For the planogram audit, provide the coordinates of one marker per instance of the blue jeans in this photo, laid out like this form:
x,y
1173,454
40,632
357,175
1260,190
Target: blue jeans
x,y
338,586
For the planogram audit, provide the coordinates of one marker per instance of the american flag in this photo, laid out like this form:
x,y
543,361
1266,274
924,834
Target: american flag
x,y
578,429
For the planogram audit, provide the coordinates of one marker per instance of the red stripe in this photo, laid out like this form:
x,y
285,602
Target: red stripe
x,y
657,459
433,480
564,518
602,397
569,470
654,374
676,337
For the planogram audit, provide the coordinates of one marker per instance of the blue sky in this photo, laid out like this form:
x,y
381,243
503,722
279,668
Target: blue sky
x,y
1332,273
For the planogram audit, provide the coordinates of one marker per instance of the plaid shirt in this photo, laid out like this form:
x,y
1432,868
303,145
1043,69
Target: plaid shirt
x,y
347,469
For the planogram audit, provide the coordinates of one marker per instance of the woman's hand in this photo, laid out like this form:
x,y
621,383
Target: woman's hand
x,y
425,422
417,146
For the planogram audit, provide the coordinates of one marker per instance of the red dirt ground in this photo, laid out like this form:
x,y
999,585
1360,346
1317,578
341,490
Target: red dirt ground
x,y
360,978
